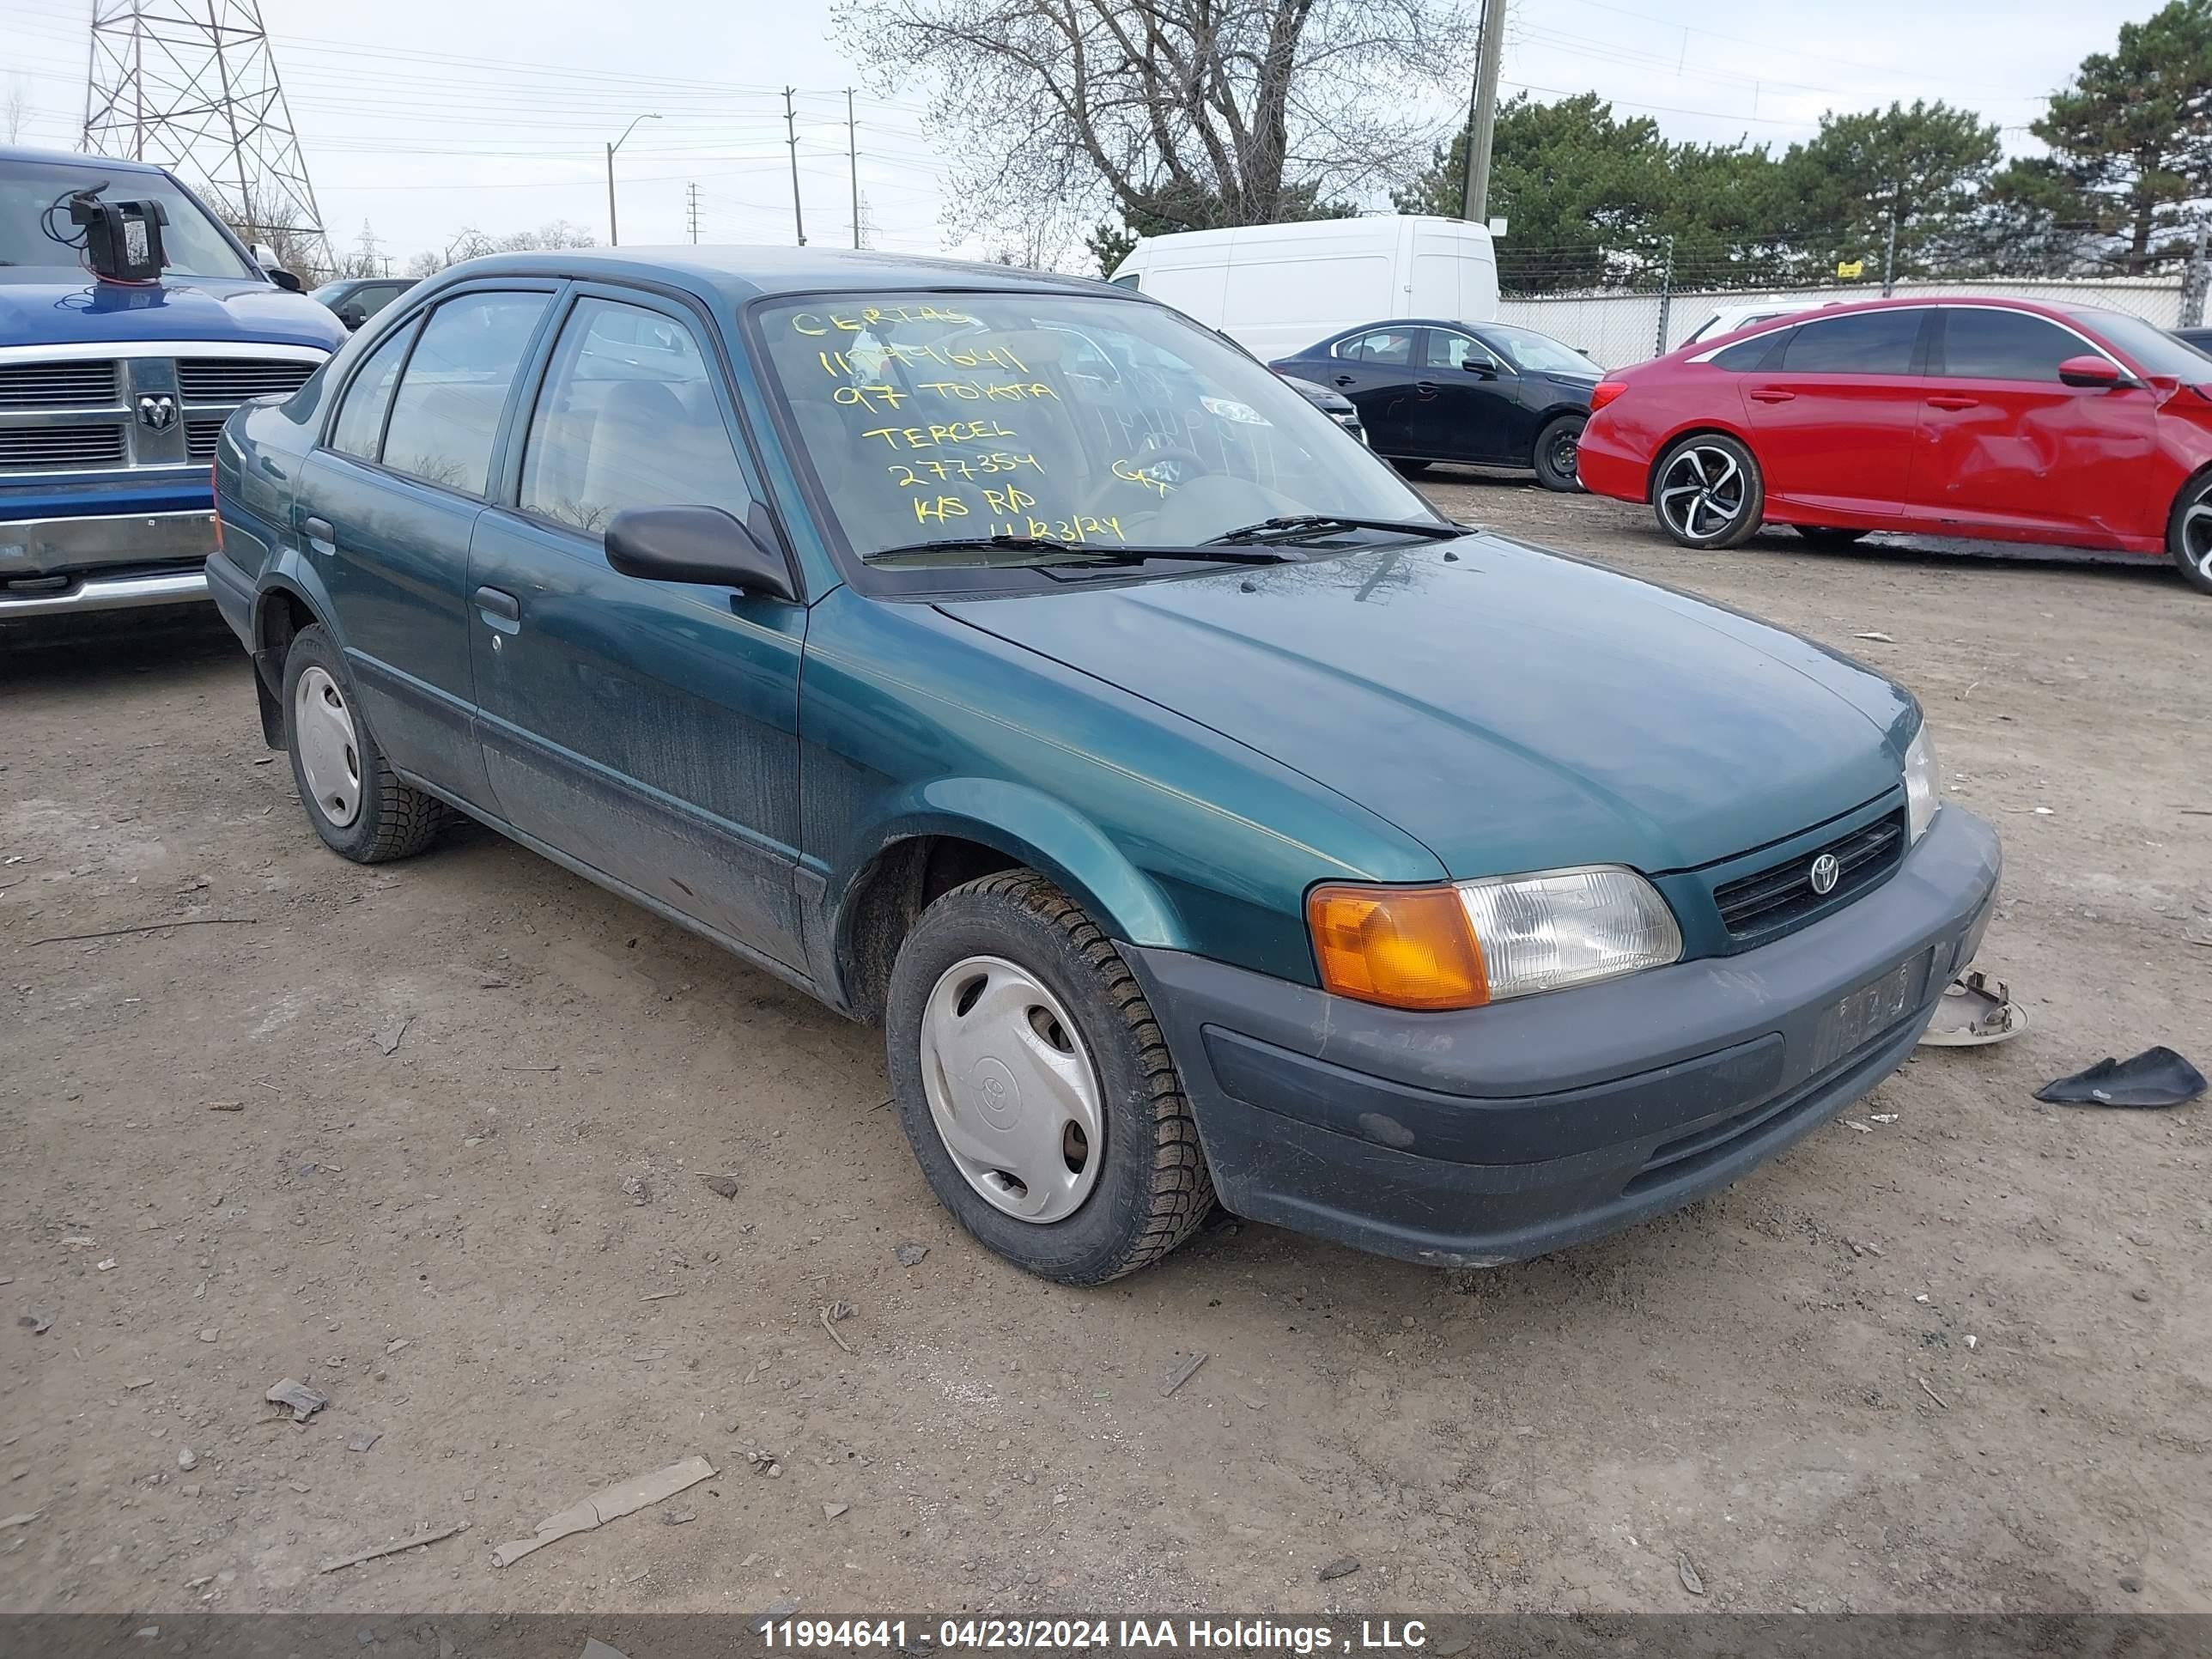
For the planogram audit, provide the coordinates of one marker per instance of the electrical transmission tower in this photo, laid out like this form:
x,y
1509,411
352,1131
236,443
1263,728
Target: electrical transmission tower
x,y
192,84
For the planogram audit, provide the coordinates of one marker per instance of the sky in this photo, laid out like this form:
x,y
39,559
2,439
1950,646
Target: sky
x,y
423,117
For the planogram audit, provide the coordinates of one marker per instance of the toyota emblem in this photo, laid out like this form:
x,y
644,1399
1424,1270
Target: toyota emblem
x,y
1826,873
157,411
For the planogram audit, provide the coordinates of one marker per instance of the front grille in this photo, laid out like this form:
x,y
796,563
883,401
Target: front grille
x,y
1781,895
61,447
234,379
88,385
200,437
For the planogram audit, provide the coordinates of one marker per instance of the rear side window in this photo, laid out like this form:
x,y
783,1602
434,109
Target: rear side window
x,y
1385,345
1752,353
628,417
1980,344
360,425
1868,343
445,415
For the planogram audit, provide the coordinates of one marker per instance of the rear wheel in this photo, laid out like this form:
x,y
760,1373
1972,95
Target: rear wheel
x,y
1828,537
1036,1087
357,805
1707,492
2189,534
1556,447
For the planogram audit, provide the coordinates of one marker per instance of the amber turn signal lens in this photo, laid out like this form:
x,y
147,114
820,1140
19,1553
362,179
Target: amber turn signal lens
x,y
1604,392
1404,947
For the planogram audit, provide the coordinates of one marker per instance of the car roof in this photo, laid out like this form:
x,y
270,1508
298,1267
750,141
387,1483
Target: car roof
x,y
2069,315
108,163
741,273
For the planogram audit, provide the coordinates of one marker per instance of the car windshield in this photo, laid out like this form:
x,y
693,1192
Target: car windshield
x,y
329,292
1052,418
2154,350
1540,353
191,244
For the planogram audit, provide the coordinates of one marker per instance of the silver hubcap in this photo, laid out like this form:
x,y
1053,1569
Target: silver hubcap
x,y
1702,493
1012,1090
322,736
2196,538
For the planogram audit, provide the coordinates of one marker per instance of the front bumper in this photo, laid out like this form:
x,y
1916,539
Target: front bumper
x,y
1476,1139
103,561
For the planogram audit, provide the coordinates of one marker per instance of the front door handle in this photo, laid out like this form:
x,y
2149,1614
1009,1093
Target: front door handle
x,y
1426,388
1344,380
1952,400
320,536
500,608
1772,394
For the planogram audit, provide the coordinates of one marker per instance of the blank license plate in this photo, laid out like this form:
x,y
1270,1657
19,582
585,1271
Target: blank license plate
x,y
1867,1013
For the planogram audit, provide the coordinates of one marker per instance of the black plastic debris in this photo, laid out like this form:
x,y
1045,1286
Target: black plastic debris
x,y
2156,1076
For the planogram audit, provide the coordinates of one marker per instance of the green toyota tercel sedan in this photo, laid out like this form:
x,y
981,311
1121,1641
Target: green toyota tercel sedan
x,y
1005,658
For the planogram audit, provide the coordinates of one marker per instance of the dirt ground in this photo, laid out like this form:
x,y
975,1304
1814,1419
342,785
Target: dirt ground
x,y
1958,1356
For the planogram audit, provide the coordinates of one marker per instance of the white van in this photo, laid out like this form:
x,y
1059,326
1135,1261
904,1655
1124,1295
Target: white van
x,y
1276,289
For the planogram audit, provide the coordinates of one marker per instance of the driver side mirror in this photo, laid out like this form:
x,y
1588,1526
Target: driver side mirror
x,y
2090,370
1480,370
702,544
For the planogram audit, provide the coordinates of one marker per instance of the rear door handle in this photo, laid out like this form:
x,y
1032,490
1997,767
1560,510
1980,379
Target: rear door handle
x,y
1952,400
500,608
1426,388
320,536
1768,394
1344,380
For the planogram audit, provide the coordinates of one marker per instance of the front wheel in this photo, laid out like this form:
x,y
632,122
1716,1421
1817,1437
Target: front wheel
x,y
1036,1087
2189,534
1557,447
1707,492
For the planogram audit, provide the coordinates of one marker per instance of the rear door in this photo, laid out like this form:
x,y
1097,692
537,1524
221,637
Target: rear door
x,y
1376,370
2006,445
647,729
1834,412
385,509
1462,400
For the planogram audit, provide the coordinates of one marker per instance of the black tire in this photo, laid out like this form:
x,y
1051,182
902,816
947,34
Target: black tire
x,y
1830,539
1410,469
2188,533
1744,506
393,820
1554,454
1152,1188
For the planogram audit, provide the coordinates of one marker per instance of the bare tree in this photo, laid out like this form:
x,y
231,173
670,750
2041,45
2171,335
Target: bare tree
x,y
15,112
302,251
1178,113
470,243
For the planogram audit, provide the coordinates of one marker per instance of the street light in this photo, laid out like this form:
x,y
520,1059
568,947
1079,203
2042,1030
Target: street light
x,y
613,239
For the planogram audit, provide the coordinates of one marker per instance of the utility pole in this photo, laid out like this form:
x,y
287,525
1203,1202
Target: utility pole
x,y
791,137
614,236
1666,300
1475,194
691,210
853,162
1889,256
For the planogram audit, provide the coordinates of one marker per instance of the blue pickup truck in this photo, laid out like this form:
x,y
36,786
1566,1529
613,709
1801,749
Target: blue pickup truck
x,y
119,359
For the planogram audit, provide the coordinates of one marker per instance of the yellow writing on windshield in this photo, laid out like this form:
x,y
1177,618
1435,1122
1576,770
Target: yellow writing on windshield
x,y
973,391
970,467
1130,473
852,322
934,436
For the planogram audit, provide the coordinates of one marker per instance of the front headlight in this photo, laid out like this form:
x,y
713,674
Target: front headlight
x,y
1923,790
1478,942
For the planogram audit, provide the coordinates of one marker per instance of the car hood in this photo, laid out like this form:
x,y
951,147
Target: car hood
x,y
1510,709
42,306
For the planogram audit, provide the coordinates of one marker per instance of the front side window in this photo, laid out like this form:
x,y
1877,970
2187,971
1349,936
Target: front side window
x,y
1866,343
445,418
937,417
374,298
1980,344
359,427
191,245
628,417
1449,350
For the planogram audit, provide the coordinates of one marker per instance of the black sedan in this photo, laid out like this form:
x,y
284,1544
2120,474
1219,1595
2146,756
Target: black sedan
x,y
357,299
1487,393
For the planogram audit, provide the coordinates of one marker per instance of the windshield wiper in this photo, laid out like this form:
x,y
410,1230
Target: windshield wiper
x,y
1208,554
1274,528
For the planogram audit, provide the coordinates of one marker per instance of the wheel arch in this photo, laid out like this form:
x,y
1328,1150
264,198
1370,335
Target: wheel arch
x,y
955,831
281,611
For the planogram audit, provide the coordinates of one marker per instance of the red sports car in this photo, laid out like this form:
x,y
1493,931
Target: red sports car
x,y
1990,418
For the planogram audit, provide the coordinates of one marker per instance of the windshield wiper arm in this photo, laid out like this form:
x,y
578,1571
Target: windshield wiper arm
x,y
1208,554
1310,521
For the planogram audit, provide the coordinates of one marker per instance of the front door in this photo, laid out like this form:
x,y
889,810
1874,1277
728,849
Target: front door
x,y
1833,421
2006,447
648,730
1377,371
1462,399
386,509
